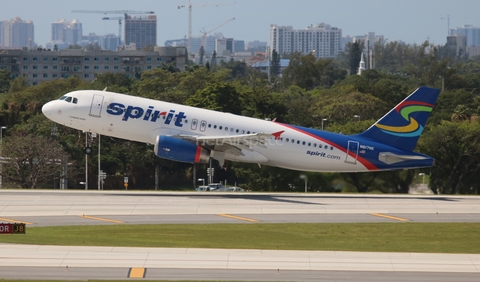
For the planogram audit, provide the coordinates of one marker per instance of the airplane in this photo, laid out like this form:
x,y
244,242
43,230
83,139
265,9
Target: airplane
x,y
194,135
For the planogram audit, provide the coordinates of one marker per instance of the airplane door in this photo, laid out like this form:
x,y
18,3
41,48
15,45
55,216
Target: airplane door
x,y
352,152
203,125
194,124
96,107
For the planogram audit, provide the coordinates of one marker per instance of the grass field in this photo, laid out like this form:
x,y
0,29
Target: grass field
x,y
376,237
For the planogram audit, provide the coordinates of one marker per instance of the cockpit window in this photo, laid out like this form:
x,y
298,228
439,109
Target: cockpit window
x,y
69,99
62,98
75,100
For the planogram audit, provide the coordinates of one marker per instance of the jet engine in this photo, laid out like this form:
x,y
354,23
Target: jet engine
x,y
180,150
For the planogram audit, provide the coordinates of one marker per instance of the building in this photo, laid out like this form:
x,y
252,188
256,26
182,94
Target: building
x,y
68,32
322,40
473,51
209,43
457,43
44,65
141,30
471,33
17,33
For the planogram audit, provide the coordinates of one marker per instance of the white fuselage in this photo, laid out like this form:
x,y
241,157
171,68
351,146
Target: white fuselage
x,y
142,120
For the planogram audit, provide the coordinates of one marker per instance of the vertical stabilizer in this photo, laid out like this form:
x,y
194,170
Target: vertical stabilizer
x,y
402,126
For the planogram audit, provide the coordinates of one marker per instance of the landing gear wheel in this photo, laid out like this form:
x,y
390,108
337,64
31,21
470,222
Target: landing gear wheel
x,y
88,150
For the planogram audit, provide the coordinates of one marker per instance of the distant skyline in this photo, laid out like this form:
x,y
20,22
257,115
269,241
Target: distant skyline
x,y
412,21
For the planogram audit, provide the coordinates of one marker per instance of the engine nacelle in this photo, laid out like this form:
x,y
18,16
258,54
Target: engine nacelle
x,y
180,150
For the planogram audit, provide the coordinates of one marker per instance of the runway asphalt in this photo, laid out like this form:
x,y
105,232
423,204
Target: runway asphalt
x,y
48,208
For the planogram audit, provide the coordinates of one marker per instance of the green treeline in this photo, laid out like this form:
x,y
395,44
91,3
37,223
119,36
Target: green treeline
x,y
306,92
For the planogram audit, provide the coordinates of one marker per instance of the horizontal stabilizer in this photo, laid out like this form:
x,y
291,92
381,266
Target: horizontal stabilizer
x,y
391,158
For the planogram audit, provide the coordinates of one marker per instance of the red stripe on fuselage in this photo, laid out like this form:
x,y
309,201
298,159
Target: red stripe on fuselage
x,y
363,161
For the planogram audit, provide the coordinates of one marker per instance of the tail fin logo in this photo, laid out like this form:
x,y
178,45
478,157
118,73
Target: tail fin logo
x,y
413,128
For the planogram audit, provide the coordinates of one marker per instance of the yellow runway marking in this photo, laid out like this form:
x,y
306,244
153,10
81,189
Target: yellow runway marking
x,y
14,221
102,219
390,217
238,217
137,272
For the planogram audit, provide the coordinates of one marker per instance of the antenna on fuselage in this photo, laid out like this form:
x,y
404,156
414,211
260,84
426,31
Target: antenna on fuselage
x,y
105,89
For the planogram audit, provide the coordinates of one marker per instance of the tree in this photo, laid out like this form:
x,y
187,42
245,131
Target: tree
x,y
456,149
30,160
306,71
201,53
18,84
218,97
213,61
354,56
5,80
274,64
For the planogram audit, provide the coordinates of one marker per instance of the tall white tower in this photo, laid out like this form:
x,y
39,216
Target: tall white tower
x,y
361,66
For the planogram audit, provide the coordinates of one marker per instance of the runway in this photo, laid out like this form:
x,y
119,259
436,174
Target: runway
x,y
50,208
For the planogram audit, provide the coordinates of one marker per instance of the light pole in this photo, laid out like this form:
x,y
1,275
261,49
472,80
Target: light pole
x,y
86,161
323,120
304,177
1,158
99,168
357,116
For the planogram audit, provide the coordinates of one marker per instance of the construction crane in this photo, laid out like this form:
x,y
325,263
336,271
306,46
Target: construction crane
x,y
212,30
119,24
448,22
112,12
189,6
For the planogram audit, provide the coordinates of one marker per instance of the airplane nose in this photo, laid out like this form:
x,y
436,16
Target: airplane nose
x,y
48,109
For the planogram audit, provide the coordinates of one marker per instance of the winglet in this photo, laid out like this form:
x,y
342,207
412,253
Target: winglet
x,y
277,134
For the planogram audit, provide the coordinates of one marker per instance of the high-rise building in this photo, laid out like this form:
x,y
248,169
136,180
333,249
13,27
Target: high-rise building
x,y
68,32
17,33
322,40
141,30
471,33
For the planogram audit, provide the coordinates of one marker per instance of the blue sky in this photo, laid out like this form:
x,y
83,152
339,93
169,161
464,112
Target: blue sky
x,y
412,21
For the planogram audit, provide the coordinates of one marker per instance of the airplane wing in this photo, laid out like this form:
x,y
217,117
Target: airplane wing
x,y
232,143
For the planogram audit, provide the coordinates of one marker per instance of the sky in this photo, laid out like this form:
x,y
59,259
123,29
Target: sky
x,y
411,21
